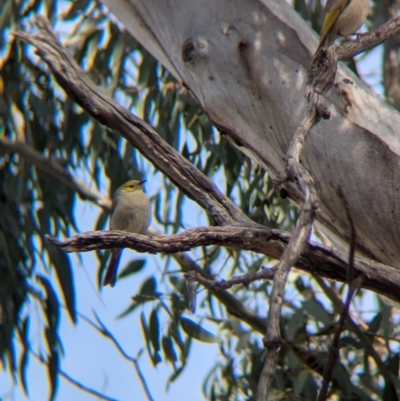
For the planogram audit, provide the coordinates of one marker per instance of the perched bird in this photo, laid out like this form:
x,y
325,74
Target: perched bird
x,y
342,18
130,212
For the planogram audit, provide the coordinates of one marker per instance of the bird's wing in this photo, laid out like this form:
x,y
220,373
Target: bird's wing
x,y
330,19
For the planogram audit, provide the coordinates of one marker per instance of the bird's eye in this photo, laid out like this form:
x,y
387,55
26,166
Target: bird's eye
x,y
131,186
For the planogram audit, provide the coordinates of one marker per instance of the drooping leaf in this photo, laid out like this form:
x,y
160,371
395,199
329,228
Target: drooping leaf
x,y
169,349
194,330
132,267
63,269
154,330
25,353
149,287
52,370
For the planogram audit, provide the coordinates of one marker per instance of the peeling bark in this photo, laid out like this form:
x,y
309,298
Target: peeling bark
x,y
246,63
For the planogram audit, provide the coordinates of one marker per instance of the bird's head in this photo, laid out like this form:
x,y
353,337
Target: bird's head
x,y
132,186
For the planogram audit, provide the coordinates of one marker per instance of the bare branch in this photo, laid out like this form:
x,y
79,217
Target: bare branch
x,y
102,329
321,77
334,348
245,279
316,259
339,306
369,40
294,172
74,382
289,258
79,87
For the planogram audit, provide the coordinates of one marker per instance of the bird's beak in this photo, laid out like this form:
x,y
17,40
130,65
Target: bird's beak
x,y
142,182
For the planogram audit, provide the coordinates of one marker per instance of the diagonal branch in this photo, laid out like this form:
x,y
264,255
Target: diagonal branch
x,y
142,136
102,329
334,349
339,307
386,31
297,173
74,382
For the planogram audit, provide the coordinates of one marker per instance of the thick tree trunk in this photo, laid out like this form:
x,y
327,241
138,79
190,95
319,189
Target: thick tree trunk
x,y
246,62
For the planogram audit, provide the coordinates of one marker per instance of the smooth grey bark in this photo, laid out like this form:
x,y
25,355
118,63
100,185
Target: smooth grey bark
x,y
246,62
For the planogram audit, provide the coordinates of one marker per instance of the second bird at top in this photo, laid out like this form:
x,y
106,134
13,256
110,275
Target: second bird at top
x,y
342,18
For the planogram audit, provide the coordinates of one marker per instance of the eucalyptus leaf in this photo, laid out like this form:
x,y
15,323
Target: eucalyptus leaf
x,y
194,330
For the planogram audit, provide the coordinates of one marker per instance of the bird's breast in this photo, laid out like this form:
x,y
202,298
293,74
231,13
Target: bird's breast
x,y
131,212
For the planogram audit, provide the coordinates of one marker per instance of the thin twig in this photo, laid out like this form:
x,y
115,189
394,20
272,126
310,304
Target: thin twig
x,y
102,329
365,42
339,306
74,382
244,279
334,348
290,257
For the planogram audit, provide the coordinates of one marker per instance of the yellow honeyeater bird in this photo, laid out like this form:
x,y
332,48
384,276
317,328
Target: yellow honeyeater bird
x,y
342,18
130,212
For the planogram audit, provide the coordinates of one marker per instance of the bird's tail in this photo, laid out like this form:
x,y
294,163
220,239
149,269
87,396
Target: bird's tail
x,y
111,273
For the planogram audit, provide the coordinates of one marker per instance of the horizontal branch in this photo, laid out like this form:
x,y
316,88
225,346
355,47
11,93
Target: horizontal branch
x,y
245,279
315,259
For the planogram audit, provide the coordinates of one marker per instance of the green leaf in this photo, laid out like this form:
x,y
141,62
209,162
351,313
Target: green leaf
x,y
25,353
316,309
175,333
295,323
148,287
155,330
132,267
389,392
65,277
179,304
51,304
52,370
101,221
194,330
169,349
156,358
75,9
176,374
375,323
145,328
300,381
